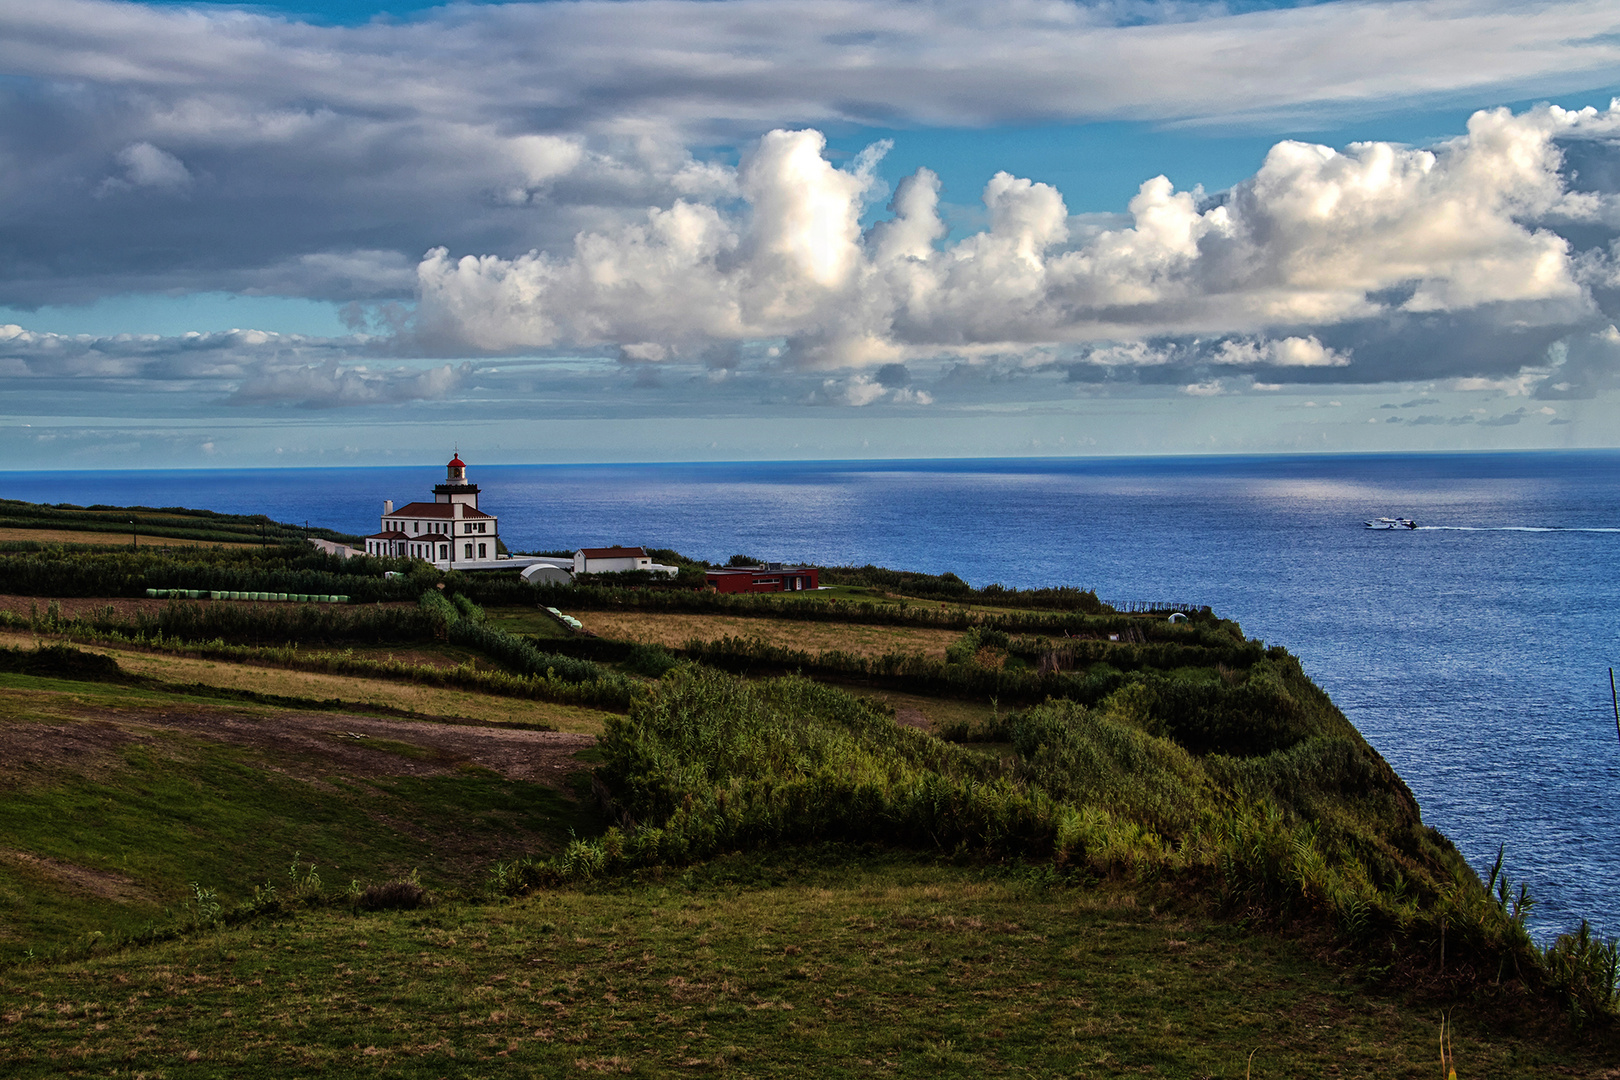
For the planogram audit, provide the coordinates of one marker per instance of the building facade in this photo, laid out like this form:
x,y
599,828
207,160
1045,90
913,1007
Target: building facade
x,y
447,532
772,577
611,560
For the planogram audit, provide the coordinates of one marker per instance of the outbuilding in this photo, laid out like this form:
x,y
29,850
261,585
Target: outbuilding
x,y
615,560
772,577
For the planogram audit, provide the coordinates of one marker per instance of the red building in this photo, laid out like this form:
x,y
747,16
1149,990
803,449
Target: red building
x,y
773,577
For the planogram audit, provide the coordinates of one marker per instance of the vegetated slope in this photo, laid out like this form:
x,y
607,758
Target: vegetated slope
x,y
1163,754
121,799
128,524
828,961
1251,787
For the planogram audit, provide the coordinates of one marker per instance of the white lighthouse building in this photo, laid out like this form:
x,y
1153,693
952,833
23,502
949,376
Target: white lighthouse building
x,y
450,532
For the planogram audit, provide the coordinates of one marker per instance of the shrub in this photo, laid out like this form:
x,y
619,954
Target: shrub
x,y
404,895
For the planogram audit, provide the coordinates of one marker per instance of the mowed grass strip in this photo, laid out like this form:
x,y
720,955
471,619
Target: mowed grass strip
x,y
875,967
675,630
318,686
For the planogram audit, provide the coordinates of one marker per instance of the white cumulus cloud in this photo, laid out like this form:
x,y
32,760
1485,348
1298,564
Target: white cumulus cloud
x,y
1317,238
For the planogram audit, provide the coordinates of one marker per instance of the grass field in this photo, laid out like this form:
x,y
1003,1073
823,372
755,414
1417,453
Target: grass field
x,y
105,539
356,690
116,798
915,710
825,963
1194,874
526,621
675,630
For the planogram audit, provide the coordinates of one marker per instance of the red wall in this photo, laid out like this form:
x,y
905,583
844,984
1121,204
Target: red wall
x,y
764,580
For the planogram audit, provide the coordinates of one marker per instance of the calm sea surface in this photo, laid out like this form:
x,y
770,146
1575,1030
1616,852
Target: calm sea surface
x,y
1473,652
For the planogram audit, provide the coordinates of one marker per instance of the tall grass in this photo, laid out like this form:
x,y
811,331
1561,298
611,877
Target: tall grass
x,y
1319,831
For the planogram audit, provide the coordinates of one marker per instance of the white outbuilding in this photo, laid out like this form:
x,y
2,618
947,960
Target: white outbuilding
x,y
614,560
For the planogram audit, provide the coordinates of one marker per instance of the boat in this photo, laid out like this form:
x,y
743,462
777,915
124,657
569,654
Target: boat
x,y
1391,523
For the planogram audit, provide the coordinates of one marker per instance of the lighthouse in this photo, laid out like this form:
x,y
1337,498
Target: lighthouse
x,y
450,532
456,487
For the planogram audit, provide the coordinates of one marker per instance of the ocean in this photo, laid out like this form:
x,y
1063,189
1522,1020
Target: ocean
x,y
1473,651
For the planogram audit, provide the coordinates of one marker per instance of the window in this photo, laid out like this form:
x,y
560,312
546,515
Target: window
x,y
444,551
481,551
469,551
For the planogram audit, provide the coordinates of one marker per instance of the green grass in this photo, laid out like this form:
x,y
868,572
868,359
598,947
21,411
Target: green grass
x,y
831,962
1099,896
156,810
517,620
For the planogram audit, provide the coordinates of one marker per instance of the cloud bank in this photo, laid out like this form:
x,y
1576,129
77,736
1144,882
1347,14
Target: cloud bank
x,y
167,148
642,183
1380,262
239,367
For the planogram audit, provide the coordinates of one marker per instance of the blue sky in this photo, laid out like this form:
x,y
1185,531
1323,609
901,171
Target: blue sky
x,y
348,232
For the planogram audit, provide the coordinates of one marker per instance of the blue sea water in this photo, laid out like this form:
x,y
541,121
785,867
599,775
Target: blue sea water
x,y
1472,652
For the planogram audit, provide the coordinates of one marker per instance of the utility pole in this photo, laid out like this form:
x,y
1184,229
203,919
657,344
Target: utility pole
x,y
134,537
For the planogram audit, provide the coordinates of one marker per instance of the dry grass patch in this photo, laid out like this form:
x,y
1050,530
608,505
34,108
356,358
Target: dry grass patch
x,y
675,630
317,686
107,539
928,713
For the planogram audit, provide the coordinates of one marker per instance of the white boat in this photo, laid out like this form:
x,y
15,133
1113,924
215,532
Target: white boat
x,y
1391,523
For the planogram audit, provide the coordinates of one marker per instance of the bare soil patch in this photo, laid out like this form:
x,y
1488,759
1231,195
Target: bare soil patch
x,y
332,743
912,717
928,714
81,747
675,630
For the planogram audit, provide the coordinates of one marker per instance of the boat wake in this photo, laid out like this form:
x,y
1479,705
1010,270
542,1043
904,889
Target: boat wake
x,y
1518,528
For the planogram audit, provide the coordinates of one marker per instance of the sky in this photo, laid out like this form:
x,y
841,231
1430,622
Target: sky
x,y
353,232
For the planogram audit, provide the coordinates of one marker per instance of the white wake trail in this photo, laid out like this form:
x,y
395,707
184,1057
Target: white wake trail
x,y
1518,528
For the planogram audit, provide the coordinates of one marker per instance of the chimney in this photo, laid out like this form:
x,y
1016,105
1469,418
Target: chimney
x,y
388,506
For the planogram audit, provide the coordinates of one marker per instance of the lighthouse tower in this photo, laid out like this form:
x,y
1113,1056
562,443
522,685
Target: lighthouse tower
x,y
456,487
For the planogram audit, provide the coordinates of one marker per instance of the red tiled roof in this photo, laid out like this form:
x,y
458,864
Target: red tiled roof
x,y
393,534
614,553
435,510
